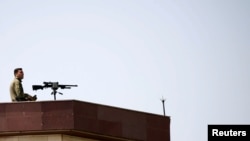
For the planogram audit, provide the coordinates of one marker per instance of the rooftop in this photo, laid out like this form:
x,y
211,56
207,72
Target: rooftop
x,y
82,119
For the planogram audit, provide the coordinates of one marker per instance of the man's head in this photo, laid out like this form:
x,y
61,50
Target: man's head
x,y
18,72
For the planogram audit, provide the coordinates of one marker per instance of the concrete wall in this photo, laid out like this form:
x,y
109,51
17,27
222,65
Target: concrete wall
x,y
53,137
73,138
81,119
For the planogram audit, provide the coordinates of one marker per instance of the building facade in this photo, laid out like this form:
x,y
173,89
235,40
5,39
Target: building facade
x,y
72,120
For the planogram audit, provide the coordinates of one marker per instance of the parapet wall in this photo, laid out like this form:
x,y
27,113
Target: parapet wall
x,y
82,119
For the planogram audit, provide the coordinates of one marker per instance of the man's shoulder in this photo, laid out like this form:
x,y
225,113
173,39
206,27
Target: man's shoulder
x,y
15,80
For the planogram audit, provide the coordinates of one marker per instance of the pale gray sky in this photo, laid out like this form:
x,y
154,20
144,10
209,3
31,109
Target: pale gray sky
x,y
130,53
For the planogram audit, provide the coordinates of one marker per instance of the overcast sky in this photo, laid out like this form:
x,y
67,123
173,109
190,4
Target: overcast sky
x,y
131,53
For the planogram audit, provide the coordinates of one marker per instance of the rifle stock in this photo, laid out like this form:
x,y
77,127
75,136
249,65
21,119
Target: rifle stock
x,y
37,87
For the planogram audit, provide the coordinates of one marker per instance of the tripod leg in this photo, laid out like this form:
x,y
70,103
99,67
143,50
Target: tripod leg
x,y
54,93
